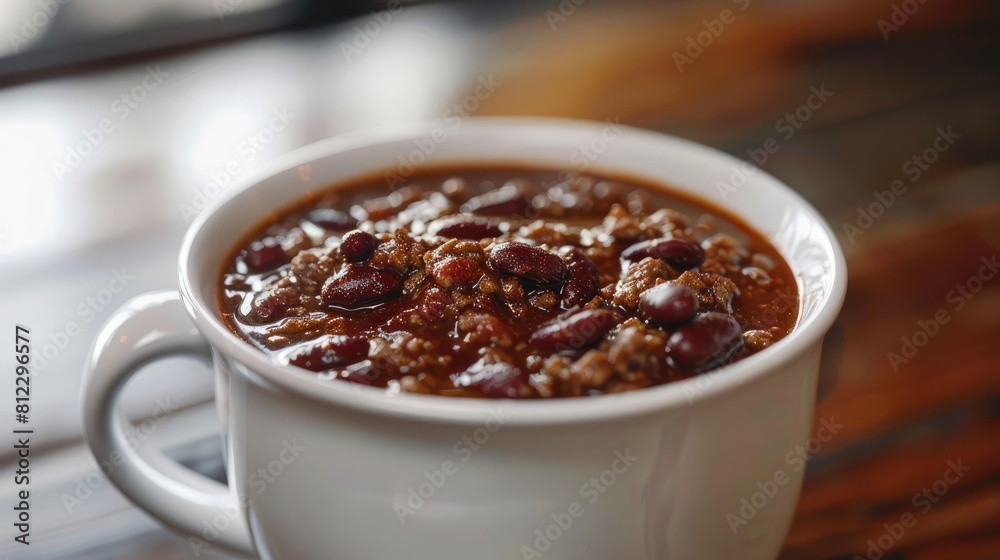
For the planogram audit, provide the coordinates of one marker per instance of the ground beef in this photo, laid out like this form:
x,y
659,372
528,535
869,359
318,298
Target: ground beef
x,y
722,254
623,225
404,353
553,235
714,291
638,352
640,277
400,252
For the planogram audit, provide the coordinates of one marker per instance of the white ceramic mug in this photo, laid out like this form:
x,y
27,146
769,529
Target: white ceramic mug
x,y
319,469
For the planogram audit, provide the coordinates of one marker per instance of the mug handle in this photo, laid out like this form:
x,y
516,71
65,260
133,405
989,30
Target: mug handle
x,y
148,328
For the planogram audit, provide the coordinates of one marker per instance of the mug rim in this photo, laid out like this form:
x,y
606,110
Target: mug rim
x,y
464,410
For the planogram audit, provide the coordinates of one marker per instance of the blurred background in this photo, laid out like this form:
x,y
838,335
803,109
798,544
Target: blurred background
x,y
120,120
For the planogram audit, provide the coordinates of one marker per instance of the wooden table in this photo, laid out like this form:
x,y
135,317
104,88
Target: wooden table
x,y
913,417
909,417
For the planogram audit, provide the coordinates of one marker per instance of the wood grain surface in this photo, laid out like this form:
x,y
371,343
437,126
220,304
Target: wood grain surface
x,y
904,425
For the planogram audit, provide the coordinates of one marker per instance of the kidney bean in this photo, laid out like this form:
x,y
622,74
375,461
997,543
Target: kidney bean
x,y
465,228
270,307
704,342
433,305
383,207
576,332
499,380
330,219
678,253
582,280
361,286
265,254
457,270
528,262
505,201
668,304
358,245
329,351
